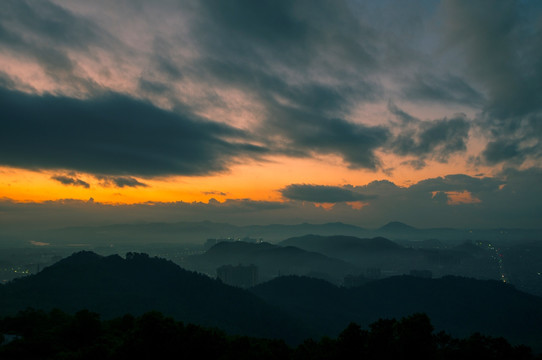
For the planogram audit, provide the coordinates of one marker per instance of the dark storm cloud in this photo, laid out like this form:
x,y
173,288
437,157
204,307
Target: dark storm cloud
x,y
160,77
45,33
306,66
441,89
302,125
417,164
271,22
6,81
355,143
121,181
321,193
219,193
289,32
163,60
436,139
306,63
503,50
511,198
403,117
66,180
127,182
458,182
249,46
504,150
167,67
501,42
48,21
274,51
154,87
113,135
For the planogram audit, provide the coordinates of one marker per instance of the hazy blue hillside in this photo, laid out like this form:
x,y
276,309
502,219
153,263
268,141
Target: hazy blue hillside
x,y
340,244
184,232
465,259
271,260
396,226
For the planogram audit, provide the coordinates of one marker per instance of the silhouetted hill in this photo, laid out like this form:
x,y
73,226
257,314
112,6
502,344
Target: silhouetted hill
x,y
397,226
271,260
113,286
340,244
465,259
364,253
317,302
57,335
457,305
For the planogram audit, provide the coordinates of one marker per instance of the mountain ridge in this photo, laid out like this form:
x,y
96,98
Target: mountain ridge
x,y
113,286
270,259
458,305
197,232
292,308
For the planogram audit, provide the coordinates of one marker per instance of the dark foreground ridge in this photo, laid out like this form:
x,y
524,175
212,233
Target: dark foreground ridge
x,y
288,308
457,305
113,286
56,335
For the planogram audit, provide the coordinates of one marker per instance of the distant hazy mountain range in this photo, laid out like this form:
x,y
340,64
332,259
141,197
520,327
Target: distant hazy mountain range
x,y
291,307
341,246
198,232
271,260
333,258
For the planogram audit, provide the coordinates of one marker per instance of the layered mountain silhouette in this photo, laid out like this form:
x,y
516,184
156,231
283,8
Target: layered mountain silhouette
x,y
396,226
271,260
292,308
364,253
113,286
196,233
340,244
465,259
458,305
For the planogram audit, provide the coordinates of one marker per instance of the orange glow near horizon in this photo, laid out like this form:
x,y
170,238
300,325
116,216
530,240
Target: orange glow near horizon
x,y
256,181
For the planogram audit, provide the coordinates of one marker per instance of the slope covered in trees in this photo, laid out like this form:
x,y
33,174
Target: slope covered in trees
x,y
457,305
57,335
113,286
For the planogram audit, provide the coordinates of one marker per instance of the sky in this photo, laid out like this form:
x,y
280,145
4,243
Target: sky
x,y
271,111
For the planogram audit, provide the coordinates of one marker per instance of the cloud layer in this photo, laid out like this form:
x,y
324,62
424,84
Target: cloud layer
x,y
67,180
321,193
435,202
129,91
300,69
113,134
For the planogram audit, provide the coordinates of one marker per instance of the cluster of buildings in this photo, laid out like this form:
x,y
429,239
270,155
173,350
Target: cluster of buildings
x,y
243,276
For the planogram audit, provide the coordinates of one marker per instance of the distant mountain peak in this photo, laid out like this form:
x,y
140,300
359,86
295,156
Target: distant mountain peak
x,y
82,257
397,226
